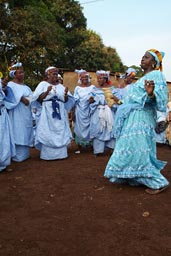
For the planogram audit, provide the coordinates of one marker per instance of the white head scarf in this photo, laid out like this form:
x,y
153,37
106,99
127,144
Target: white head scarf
x,y
14,67
130,72
103,73
81,72
49,68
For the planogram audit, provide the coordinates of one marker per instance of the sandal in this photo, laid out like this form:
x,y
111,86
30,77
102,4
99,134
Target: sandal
x,y
155,191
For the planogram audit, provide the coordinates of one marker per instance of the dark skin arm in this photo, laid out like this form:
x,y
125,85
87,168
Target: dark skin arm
x,y
66,94
118,101
44,94
4,82
169,117
25,101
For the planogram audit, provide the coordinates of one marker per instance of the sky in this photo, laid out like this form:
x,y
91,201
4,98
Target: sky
x,y
132,27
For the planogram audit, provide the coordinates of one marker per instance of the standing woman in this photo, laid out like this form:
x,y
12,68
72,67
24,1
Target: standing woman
x,y
134,158
7,146
82,108
20,113
103,108
53,134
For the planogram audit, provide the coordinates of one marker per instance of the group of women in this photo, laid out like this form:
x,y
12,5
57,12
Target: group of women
x,y
107,117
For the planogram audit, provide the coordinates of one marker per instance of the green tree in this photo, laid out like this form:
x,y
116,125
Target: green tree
x,y
51,32
92,54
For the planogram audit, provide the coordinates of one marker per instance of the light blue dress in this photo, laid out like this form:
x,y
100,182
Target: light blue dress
x,y
134,158
102,120
82,114
7,146
53,134
21,120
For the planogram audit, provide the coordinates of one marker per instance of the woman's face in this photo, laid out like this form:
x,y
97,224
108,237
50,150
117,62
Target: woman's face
x,y
84,79
19,74
53,77
129,80
101,80
147,61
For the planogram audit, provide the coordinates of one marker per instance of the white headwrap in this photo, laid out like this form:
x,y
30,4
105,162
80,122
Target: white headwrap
x,y
12,73
13,68
16,65
103,73
49,68
81,72
129,72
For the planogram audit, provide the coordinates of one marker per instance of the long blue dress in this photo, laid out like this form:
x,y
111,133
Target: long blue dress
x,y
102,119
134,158
82,114
7,146
53,134
21,120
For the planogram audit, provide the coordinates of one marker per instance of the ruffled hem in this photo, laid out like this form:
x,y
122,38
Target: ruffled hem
x,y
131,172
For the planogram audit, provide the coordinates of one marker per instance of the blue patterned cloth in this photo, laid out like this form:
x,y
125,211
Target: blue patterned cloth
x,y
134,157
56,108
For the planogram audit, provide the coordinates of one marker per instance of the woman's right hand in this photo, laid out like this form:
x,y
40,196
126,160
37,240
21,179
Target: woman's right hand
x,y
149,87
49,88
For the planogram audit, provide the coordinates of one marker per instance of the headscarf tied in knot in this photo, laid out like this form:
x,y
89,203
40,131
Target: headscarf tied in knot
x,y
158,56
13,69
50,69
82,72
105,74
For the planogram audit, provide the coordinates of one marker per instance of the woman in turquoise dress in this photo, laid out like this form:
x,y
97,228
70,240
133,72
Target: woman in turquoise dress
x,y
134,158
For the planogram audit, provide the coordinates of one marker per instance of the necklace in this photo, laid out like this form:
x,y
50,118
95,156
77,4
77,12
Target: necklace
x,y
54,89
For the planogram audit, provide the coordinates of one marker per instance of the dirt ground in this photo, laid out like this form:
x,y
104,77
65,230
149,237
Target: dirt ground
x,y
67,208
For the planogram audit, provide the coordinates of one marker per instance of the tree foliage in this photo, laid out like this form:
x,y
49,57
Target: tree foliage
x,y
51,32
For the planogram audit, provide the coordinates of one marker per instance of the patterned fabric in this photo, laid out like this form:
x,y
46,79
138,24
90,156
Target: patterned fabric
x,y
134,158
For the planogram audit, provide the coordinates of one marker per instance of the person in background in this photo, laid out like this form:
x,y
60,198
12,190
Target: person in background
x,y
53,134
82,109
7,146
160,129
102,110
134,159
20,113
128,78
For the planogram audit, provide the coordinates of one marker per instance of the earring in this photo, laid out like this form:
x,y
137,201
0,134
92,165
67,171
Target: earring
x,y
153,65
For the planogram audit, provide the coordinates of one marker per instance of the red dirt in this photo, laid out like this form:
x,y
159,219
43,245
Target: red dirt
x,y
67,208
